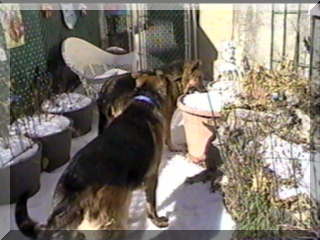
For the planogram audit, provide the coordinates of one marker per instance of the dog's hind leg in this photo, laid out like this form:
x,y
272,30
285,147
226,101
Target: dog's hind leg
x,y
151,188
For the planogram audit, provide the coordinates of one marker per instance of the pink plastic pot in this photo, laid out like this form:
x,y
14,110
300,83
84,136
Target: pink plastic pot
x,y
199,136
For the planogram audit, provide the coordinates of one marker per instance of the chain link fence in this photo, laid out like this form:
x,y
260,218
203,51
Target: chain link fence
x,y
165,37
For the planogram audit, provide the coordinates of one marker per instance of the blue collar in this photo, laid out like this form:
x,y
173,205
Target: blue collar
x,y
146,99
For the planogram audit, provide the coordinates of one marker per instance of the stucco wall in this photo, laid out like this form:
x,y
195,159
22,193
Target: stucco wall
x,y
249,25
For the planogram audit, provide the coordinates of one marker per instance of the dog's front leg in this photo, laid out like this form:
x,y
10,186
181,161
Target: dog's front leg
x,y
151,188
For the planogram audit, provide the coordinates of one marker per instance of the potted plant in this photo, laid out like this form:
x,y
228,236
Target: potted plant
x,y
53,131
77,107
20,160
20,167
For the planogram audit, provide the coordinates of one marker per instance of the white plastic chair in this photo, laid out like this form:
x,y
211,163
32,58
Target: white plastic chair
x,y
90,63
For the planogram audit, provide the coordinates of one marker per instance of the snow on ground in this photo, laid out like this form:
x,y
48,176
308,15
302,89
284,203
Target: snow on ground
x,y
17,149
188,207
66,102
39,125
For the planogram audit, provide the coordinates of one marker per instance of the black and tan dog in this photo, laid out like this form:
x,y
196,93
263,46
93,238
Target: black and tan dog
x,y
172,81
95,190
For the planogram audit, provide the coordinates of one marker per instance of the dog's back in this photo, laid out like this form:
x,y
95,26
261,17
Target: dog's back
x,y
118,157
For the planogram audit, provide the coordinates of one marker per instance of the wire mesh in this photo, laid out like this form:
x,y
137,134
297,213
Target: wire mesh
x,y
165,37
117,25
24,59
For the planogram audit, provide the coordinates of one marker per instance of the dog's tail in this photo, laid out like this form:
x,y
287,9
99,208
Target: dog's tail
x,y
25,224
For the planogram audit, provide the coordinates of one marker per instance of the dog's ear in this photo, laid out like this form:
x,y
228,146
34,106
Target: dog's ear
x,y
196,64
140,81
135,75
159,73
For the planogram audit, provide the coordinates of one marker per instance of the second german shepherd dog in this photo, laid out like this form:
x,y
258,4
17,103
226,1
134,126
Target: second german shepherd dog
x,y
172,81
94,192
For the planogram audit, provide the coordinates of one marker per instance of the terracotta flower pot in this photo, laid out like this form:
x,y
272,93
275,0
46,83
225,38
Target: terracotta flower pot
x,y
199,131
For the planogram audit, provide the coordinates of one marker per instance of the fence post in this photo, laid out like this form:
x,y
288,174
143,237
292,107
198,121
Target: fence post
x,y
315,89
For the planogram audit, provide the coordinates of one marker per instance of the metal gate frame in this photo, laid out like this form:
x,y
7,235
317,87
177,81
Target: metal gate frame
x,y
314,75
140,21
137,23
285,14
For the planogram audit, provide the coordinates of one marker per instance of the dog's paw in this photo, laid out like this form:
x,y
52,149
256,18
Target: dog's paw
x,y
160,222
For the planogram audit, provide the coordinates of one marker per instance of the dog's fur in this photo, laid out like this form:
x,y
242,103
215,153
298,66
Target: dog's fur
x,y
171,81
95,190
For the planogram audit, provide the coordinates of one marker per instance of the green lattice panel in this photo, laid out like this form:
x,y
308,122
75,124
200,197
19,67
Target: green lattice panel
x,y
4,69
24,59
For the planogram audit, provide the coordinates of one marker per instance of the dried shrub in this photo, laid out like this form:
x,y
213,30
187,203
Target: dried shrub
x,y
250,187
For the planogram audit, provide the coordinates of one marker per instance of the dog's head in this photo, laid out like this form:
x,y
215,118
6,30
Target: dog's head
x,y
190,77
153,82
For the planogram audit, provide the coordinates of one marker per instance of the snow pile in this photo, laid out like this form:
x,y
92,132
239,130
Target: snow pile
x,y
66,102
39,125
110,73
279,154
220,94
227,67
15,149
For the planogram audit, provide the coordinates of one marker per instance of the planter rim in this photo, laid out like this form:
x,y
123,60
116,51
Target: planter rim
x,y
73,111
92,101
39,149
55,133
193,111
